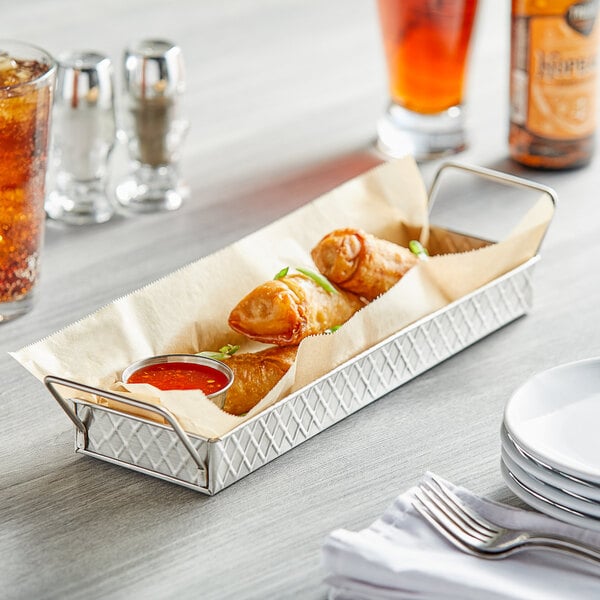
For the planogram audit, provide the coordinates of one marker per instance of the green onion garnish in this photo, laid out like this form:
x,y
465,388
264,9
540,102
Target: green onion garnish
x,y
282,273
318,279
332,329
223,354
418,250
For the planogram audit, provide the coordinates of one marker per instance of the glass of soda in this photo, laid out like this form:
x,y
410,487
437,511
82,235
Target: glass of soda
x,y
26,86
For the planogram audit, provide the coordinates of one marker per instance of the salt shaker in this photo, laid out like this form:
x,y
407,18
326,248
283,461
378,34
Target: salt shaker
x,y
153,125
83,137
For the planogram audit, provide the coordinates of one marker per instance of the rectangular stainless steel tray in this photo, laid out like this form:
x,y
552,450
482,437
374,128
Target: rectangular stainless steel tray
x,y
210,465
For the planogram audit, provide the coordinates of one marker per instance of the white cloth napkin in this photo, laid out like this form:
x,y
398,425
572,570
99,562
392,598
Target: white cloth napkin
x,y
401,556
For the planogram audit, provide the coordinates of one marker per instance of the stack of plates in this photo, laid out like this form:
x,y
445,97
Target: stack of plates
x,y
551,443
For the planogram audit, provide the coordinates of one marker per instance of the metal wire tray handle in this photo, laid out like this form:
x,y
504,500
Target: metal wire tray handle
x,y
51,382
491,175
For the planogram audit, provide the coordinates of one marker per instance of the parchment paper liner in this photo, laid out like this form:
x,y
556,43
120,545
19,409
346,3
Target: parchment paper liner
x,y
187,311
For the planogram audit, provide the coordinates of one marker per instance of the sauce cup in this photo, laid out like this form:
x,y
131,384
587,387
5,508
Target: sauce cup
x,y
183,372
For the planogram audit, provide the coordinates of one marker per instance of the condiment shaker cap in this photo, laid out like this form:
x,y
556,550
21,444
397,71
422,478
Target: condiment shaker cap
x,y
153,68
84,79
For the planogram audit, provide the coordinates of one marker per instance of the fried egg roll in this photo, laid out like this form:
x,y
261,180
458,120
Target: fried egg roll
x,y
255,376
284,311
361,263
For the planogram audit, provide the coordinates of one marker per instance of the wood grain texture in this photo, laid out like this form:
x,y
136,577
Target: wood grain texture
x,y
283,98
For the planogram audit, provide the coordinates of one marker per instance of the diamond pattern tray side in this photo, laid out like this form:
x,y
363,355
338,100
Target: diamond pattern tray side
x,y
140,445
369,376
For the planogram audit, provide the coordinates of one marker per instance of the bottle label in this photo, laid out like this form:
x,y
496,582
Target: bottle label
x,y
554,75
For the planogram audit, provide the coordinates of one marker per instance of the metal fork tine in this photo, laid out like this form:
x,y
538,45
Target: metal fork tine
x,y
447,520
439,526
450,514
458,510
475,519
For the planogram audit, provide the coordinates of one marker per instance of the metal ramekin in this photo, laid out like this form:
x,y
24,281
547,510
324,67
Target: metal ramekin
x,y
217,398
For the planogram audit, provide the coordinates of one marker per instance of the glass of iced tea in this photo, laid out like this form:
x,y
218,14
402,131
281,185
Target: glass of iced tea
x,y
26,86
426,44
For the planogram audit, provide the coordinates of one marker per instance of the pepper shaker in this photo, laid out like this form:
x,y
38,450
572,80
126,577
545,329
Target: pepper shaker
x,y
153,126
83,136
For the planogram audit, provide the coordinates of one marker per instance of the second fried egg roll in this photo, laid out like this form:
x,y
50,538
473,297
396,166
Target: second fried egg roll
x,y
256,373
284,311
360,262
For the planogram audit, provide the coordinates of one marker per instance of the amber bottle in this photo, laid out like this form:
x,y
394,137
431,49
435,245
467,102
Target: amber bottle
x,y
553,82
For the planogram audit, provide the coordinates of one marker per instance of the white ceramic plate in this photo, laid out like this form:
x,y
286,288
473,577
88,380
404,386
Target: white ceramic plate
x,y
544,505
549,492
543,473
555,416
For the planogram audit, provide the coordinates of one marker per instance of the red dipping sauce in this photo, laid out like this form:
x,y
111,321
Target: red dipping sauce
x,y
181,376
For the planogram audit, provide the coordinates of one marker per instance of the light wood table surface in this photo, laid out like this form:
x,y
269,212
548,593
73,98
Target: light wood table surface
x,y
283,96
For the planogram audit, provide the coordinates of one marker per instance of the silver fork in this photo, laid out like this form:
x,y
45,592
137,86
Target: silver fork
x,y
475,535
